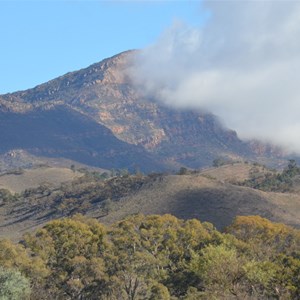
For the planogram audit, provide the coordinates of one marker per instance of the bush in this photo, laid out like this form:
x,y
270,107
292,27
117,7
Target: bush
x,y
13,285
7,196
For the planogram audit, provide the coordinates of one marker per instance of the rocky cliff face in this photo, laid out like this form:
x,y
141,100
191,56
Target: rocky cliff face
x,y
104,93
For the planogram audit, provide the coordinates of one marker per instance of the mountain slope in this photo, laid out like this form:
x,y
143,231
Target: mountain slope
x,y
63,132
105,93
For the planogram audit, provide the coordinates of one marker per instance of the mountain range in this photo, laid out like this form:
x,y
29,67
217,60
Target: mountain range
x,y
97,116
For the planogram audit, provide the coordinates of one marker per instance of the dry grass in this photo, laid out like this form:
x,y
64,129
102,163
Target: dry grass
x,y
35,177
185,196
194,196
236,172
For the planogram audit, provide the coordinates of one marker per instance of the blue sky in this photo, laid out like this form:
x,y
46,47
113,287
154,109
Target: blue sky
x,y
41,40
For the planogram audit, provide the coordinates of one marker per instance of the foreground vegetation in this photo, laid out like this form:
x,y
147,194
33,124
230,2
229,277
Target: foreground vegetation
x,y
153,257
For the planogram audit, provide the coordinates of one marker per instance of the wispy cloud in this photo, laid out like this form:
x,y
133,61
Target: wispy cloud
x,y
243,65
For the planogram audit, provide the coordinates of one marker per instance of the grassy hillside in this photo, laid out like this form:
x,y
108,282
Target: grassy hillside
x,y
195,196
233,172
19,181
212,195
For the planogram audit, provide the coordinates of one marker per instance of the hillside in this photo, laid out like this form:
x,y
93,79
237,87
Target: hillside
x,y
194,196
185,196
14,160
34,178
97,116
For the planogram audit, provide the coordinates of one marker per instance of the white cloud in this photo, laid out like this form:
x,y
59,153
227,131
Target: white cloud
x,y
243,65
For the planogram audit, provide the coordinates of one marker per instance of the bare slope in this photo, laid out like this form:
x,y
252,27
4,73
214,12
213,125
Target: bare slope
x,y
33,178
234,172
21,159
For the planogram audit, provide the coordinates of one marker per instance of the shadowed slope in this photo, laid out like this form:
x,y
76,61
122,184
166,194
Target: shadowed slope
x,y
62,132
193,196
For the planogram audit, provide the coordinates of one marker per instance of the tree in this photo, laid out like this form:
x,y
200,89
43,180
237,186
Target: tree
x,y
266,238
73,250
220,270
7,196
156,258
13,285
183,171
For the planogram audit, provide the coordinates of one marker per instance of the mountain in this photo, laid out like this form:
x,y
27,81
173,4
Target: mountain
x,y
97,116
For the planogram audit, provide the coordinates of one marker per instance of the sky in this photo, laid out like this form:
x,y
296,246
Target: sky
x,y
41,40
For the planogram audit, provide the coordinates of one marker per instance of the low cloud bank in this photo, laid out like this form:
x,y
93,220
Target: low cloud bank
x,y
242,65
